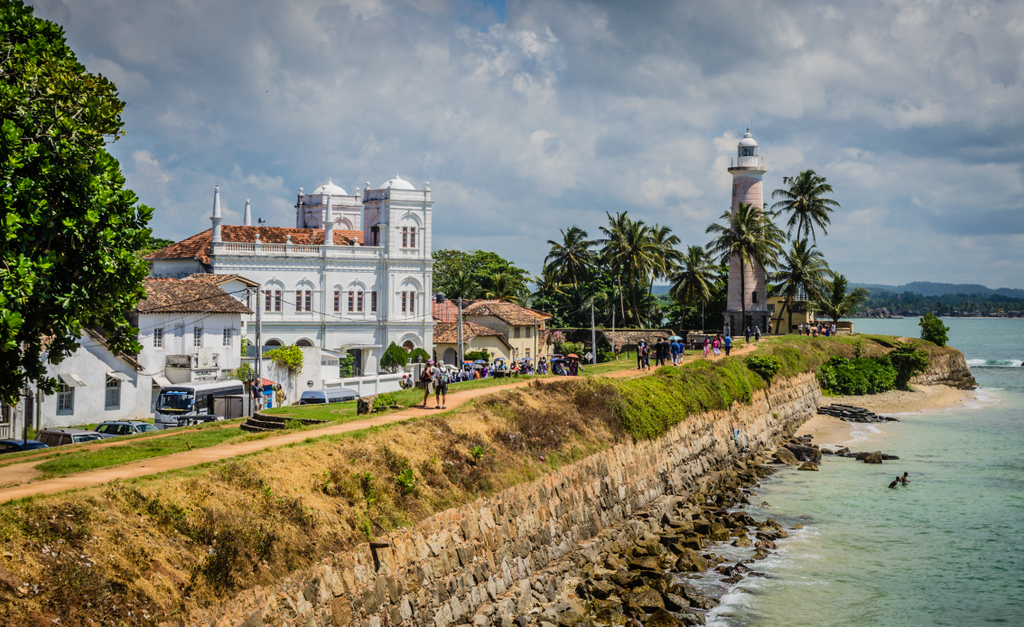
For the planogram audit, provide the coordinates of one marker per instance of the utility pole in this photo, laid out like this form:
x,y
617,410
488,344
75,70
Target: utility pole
x,y
613,332
462,356
593,334
259,336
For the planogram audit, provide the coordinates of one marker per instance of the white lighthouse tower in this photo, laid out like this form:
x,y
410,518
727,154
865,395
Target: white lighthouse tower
x,y
751,293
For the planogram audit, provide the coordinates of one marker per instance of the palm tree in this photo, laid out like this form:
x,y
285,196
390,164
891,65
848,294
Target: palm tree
x,y
802,272
504,288
835,302
572,258
667,259
804,201
752,237
464,285
631,253
694,279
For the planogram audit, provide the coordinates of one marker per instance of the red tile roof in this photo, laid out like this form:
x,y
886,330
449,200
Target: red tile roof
x,y
188,296
220,279
448,333
510,313
198,246
448,311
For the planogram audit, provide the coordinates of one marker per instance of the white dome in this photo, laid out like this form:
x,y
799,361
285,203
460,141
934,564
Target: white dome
x,y
398,183
748,140
329,188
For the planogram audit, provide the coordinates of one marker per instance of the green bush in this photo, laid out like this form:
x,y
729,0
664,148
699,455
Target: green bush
x,y
419,356
384,400
475,355
856,377
908,361
933,330
288,356
346,366
766,366
394,357
604,355
564,348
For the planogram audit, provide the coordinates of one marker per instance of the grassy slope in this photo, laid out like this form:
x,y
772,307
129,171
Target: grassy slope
x,y
160,545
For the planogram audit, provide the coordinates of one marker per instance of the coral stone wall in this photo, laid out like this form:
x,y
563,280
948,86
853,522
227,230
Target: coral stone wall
x,y
444,569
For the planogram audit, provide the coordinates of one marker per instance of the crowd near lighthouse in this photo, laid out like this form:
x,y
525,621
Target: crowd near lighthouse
x,y
747,297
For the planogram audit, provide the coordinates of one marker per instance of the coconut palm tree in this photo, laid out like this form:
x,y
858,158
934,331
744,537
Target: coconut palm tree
x,y
805,202
464,285
835,302
572,258
752,237
504,288
632,254
666,262
802,273
694,279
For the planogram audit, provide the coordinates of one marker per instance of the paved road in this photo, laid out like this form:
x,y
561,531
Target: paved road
x,y
224,451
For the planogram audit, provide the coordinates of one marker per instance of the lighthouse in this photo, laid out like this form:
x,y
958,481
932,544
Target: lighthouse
x,y
749,294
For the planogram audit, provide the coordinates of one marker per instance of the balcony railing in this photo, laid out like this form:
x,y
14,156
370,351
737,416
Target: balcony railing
x,y
754,163
243,249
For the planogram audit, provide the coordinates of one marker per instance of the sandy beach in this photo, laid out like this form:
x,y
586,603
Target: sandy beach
x,y
828,430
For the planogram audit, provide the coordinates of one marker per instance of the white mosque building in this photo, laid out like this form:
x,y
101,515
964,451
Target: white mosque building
x,y
353,276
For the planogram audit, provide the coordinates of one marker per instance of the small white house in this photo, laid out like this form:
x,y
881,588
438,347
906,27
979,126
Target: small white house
x,y
190,330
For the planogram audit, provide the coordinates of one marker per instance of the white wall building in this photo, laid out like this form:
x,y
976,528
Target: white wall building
x,y
355,275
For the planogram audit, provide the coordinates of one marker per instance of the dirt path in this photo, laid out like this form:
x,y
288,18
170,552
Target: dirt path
x,y
220,452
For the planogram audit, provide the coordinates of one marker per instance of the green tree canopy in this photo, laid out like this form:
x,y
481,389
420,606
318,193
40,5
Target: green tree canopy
x,y
69,229
835,302
802,275
805,202
485,270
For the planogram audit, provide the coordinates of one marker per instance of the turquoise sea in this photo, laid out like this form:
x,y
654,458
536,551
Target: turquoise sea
x,y
946,550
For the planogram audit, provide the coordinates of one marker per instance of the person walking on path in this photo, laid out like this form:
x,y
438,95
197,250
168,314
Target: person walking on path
x,y
706,345
647,356
640,355
727,343
748,335
427,379
674,347
716,345
757,334
279,396
441,379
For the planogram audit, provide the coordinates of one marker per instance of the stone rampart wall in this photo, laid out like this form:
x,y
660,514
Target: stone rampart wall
x,y
445,568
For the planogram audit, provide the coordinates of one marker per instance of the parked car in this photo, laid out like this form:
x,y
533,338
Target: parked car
x,y
319,397
14,446
114,428
60,437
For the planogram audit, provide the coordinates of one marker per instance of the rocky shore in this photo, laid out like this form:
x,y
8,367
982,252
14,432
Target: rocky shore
x,y
644,571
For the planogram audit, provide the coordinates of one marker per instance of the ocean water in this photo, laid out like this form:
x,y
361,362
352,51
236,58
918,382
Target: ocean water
x,y
946,550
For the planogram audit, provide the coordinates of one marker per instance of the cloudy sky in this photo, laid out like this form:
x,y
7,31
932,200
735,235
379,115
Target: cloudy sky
x,y
530,116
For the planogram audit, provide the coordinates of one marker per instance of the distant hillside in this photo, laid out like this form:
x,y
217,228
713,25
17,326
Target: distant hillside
x,y
929,289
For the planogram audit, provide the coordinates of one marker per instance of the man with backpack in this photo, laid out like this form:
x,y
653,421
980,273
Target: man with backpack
x,y
441,380
427,380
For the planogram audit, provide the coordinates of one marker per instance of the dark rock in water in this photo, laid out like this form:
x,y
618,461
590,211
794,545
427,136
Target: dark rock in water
x,y
807,466
691,562
759,554
797,526
743,542
661,618
732,579
765,544
719,532
827,451
804,453
691,618
873,458
842,452
696,598
785,456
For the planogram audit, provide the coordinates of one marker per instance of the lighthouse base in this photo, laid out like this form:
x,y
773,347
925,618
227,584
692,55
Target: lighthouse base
x,y
736,324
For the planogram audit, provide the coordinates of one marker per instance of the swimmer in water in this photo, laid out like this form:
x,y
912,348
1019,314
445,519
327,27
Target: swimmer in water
x,y
895,482
904,479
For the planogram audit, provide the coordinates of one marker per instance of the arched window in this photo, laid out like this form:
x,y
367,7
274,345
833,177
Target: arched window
x,y
408,346
450,356
305,343
273,343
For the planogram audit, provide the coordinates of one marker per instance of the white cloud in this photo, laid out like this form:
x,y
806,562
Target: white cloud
x,y
570,109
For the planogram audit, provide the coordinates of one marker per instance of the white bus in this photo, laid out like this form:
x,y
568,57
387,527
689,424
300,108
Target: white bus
x,y
179,405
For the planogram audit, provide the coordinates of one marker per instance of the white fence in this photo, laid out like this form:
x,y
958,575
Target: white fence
x,y
368,385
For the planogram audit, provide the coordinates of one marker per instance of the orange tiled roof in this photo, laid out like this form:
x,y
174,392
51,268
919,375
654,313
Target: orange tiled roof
x,y
198,246
220,279
448,333
448,311
509,312
188,296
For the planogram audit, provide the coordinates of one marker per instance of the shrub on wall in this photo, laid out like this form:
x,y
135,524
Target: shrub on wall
x,y
289,357
765,366
394,357
419,356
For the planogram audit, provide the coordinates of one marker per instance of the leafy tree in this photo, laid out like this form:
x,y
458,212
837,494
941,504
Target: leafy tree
x,y
504,287
802,274
289,357
394,358
835,302
933,330
908,361
419,356
804,201
69,229
750,235
483,267
666,262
